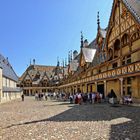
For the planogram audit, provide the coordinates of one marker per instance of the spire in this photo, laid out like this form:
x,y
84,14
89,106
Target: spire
x,y
33,61
63,66
81,39
98,20
58,61
65,62
69,57
30,62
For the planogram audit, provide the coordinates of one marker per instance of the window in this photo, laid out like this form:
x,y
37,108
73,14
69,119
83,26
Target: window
x,y
135,36
6,82
116,48
115,65
128,80
110,54
123,62
126,60
125,40
129,90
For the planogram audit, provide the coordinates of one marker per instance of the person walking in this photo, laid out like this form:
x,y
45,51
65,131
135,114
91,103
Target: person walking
x,y
46,97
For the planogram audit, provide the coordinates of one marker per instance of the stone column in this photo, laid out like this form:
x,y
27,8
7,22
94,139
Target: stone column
x,y
29,92
105,88
96,86
121,82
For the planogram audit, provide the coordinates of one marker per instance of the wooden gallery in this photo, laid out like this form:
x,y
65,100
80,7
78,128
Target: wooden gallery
x,y
112,60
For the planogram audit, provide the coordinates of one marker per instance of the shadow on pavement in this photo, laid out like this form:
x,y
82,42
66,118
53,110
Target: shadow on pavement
x,y
101,112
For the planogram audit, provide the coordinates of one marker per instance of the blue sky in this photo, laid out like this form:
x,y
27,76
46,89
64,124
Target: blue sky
x,y
45,29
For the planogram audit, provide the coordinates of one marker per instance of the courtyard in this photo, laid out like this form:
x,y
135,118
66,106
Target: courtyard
x,y
58,120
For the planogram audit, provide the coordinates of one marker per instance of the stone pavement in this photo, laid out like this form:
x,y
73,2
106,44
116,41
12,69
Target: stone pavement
x,y
55,120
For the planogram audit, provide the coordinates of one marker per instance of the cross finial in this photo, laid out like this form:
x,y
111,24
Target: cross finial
x,y
81,39
98,20
58,61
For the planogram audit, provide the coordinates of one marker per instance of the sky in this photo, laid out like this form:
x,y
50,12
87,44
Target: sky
x,y
46,29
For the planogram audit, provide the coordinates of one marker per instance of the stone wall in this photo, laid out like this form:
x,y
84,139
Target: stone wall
x,y
8,96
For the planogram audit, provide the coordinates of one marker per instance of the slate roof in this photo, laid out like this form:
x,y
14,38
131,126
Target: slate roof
x,y
92,44
134,7
33,69
37,73
7,69
74,65
88,54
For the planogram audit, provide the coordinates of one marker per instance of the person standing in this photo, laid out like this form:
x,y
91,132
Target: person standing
x,y
22,97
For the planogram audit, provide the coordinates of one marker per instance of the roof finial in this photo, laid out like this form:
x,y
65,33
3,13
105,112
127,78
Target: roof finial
x,y
65,62
98,20
69,57
30,62
58,61
81,39
33,61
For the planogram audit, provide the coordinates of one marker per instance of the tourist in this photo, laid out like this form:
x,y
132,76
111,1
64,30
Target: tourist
x,y
130,99
90,97
22,97
46,97
93,97
112,97
71,99
101,97
79,98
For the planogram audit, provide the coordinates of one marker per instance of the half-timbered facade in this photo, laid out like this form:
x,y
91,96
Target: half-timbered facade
x,y
40,78
116,64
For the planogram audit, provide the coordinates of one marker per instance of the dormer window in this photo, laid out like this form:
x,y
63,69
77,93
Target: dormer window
x,y
125,40
116,48
135,36
115,65
110,57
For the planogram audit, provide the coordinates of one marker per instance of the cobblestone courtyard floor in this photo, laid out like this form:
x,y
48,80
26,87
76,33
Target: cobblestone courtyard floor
x,y
54,120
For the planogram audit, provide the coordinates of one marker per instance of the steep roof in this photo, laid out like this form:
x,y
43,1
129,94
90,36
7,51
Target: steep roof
x,y
88,54
74,65
103,32
33,69
41,67
7,69
134,7
92,44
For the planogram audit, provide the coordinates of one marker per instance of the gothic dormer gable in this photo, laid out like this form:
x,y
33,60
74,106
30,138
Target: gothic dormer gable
x,y
27,77
37,76
45,77
122,20
82,60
